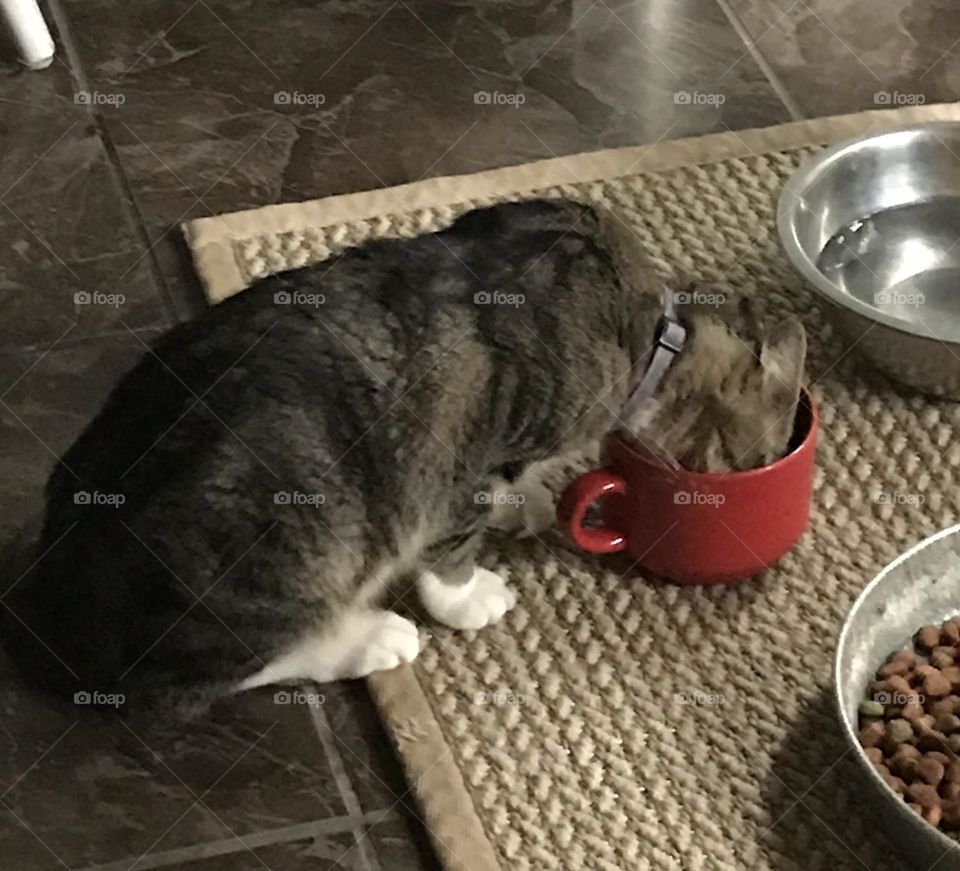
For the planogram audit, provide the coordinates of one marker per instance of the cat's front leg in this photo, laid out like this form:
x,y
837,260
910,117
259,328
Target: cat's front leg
x,y
457,592
525,506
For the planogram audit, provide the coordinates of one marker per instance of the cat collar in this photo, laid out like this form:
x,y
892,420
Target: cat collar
x,y
669,338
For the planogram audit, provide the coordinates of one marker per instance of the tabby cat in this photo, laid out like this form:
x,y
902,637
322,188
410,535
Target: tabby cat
x,y
231,517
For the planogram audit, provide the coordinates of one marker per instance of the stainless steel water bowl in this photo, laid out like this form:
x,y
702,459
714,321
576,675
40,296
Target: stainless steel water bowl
x,y
873,224
918,588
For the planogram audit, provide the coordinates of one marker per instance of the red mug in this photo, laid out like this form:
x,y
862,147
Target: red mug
x,y
696,527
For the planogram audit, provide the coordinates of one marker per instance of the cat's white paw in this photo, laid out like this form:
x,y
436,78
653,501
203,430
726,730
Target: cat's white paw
x,y
379,641
482,600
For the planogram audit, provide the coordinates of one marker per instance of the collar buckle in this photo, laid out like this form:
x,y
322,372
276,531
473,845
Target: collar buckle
x,y
669,342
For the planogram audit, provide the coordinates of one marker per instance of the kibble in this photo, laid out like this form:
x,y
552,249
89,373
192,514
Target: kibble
x,y
875,755
930,770
928,638
912,710
909,656
910,724
899,731
947,723
935,685
898,666
941,657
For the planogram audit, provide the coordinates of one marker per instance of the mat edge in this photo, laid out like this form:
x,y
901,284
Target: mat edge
x,y
451,818
217,267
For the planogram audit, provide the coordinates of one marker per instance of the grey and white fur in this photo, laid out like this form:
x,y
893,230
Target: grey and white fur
x,y
281,460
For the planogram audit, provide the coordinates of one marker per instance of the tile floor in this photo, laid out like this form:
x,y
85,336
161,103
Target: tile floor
x,y
162,110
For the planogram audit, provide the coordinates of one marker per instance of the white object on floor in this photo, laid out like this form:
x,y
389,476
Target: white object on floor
x,y
30,33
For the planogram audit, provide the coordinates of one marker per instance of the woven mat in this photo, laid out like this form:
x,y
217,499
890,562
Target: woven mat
x,y
612,722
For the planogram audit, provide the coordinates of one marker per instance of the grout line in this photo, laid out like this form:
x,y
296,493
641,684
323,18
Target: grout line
x,y
339,770
793,109
114,165
241,844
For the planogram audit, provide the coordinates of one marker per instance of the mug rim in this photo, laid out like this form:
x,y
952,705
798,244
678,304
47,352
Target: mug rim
x,y
742,474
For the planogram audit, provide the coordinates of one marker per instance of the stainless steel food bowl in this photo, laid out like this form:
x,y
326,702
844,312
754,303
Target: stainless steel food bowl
x,y
874,225
918,588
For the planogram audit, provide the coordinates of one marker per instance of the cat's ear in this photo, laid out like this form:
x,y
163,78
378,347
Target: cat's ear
x,y
782,356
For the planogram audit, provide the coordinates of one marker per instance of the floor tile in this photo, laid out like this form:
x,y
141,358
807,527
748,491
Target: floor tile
x,y
228,106
322,852
90,790
852,55
349,724
73,252
46,398
254,763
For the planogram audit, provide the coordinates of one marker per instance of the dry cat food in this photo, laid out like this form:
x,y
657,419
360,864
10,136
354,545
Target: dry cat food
x,y
910,724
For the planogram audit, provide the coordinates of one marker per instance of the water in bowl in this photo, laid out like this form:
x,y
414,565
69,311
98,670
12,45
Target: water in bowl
x,y
903,261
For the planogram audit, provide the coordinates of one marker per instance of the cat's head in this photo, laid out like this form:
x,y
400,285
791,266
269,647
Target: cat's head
x,y
727,402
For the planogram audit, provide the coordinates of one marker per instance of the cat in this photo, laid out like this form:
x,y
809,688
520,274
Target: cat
x,y
231,517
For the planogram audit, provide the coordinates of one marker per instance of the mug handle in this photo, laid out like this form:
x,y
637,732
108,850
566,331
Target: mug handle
x,y
578,497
